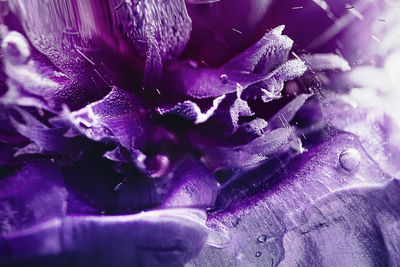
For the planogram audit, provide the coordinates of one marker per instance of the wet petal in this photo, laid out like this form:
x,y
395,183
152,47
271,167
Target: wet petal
x,y
377,130
162,238
299,212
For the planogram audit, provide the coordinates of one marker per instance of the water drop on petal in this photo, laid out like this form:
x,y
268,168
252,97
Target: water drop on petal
x,y
235,221
262,238
350,159
258,254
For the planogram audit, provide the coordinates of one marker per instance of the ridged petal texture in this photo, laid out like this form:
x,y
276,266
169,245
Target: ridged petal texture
x,y
311,212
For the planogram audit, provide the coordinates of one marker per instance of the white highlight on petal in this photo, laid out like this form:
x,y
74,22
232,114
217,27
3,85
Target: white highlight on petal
x,y
203,117
16,48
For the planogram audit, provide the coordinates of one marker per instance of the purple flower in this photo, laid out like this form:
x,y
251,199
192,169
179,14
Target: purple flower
x,y
199,133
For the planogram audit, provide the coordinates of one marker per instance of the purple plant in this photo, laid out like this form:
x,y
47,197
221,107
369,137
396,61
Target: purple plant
x,y
199,133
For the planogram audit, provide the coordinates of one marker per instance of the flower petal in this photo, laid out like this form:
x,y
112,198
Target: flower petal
x,y
116,118
265,55
376,129
299,213
193,185
93,40
264,61
33,81
32,195
320,62
251,153
286,114
162,237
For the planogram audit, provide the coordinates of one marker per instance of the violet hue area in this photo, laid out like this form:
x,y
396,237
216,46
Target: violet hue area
x,y
199,133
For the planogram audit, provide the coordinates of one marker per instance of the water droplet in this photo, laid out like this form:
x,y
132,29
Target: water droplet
x,y
258,254
350,159
235,221
224,78
262,238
